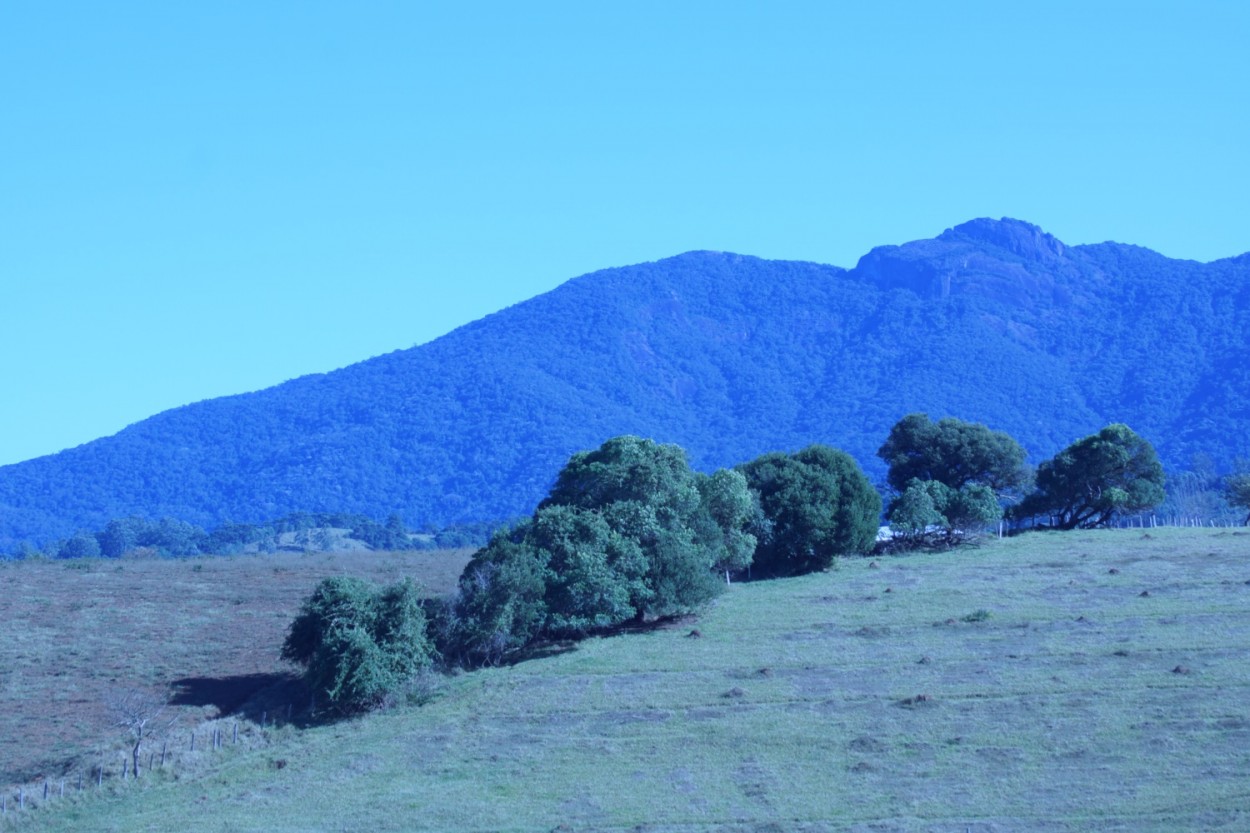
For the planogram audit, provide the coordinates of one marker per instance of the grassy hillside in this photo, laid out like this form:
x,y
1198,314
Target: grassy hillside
x,y
209,628
1060,682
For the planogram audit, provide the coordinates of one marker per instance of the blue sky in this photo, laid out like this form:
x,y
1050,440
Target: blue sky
x,y
199,199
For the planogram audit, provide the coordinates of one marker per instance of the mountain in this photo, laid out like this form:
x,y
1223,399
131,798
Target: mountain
x,y
727,355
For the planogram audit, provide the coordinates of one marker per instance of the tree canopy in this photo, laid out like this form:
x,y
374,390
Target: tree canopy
x,y
952,452
1114,472
816,504
949,477
929,512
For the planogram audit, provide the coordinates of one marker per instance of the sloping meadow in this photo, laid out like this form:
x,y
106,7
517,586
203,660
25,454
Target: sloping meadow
x,y
1051,682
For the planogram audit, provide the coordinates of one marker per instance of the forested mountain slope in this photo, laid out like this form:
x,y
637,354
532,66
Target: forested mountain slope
x,y
727,355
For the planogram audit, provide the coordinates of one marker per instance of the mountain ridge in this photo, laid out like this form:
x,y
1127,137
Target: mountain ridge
x,y
728,355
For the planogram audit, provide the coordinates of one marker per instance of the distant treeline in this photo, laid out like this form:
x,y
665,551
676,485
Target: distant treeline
x,y
299,531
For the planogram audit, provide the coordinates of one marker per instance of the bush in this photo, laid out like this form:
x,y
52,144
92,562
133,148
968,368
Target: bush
x,y
359,645
815,505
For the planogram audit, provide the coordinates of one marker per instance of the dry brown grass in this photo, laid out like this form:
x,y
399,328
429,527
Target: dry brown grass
x,y
208,630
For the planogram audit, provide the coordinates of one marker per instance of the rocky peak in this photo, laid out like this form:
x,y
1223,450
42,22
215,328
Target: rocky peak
x,y
1016,236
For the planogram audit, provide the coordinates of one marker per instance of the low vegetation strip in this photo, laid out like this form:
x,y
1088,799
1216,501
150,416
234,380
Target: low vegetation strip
x,y
1105,689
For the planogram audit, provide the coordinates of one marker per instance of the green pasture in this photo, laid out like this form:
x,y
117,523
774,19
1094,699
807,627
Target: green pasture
x,y
1085,681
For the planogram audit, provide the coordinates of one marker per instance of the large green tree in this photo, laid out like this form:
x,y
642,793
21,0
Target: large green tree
x,y
815,505
627,531
1114,472
949,478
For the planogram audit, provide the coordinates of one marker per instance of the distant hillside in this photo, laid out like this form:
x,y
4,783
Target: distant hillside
x,y
727,355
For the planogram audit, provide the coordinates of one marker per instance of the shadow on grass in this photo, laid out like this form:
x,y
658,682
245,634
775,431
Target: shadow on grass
x,y
240,694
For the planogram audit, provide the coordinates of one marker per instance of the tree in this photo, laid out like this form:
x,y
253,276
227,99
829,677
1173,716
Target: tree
x,y
954,453
139,713
729,507
929,512
627,531
1237,493
815,504
1114,472
120,536
949,478
596,576
82,545
500,605
914,513
359,644
647,493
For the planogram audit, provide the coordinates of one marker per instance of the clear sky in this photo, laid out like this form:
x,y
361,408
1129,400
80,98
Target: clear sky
x,y
199,199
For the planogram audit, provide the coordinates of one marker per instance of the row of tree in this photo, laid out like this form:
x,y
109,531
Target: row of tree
x,y
171,537
629,533
952,479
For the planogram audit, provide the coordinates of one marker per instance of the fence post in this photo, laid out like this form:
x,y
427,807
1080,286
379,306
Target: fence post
x,y
263,716
235,739
164,746
21,799
62,788
45,789
192,741
99,779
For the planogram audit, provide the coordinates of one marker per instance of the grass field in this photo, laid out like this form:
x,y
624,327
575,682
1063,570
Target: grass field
x,y
209,629
1053,682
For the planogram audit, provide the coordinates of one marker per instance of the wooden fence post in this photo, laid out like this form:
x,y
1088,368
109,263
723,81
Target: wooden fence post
x,y
236,732
193,741
164,746
99,779
45,789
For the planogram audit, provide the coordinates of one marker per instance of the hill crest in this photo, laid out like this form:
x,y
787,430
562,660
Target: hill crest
x,y
726,354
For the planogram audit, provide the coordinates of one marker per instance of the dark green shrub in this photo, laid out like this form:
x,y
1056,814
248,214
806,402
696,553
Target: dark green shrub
x,y
359,644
